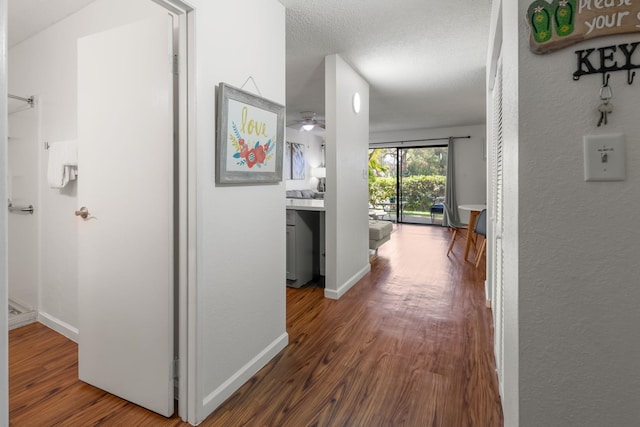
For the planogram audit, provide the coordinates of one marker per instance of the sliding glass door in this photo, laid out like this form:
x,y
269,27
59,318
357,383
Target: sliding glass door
x,y
422,184
407,185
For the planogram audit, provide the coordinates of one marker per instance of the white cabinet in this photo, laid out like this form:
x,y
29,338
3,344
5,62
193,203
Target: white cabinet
x,y
322,254
291,252
301,226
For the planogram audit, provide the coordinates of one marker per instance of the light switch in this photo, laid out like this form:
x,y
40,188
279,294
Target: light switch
x,y
604,157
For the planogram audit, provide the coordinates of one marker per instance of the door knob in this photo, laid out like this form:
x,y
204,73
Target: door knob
x,y
83,213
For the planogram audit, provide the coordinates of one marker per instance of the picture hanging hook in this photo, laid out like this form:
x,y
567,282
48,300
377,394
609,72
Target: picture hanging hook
x,y
605,79
254,84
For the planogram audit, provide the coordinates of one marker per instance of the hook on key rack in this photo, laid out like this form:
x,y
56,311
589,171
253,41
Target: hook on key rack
x,y
605,79
630,76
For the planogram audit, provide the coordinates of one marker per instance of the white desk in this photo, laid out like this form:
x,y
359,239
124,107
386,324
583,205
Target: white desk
x,y
474,211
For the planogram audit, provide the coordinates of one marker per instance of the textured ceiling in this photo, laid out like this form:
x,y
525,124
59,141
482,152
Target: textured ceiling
x,y
424,59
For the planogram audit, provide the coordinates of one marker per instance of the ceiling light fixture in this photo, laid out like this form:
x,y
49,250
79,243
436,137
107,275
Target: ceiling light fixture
x,y
309,122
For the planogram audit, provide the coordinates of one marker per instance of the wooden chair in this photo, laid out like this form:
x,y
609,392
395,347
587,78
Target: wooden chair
x,y
457,228
481,230
454,235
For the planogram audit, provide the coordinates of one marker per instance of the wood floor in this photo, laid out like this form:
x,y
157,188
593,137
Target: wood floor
x,y
409,345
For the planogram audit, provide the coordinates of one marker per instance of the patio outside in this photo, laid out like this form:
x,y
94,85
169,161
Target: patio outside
x,y
407,185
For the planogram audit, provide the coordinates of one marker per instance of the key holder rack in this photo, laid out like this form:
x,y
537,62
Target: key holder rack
x,y
631,75
608,59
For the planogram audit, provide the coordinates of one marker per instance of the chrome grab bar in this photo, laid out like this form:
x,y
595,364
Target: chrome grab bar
x,y
27,209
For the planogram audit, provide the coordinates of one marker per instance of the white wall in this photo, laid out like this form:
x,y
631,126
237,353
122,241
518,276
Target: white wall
x,y
313,157
470,158
347,192
575,294
45,65
240,230
4,325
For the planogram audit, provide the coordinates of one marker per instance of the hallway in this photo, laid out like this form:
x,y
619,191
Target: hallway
x,y
410,345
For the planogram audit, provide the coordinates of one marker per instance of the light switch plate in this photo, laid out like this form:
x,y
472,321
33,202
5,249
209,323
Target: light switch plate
x,y
604,157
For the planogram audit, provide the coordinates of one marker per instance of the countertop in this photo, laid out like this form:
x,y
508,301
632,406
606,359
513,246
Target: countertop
x,y
305,204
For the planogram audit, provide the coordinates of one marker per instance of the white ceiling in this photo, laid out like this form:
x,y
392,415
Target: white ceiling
x,y
28,17
424,59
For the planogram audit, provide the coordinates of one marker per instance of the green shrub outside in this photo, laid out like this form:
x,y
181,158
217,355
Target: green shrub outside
x,y
419,192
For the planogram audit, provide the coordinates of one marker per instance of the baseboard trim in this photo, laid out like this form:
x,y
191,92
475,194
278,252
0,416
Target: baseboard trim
x,y
59,326
214,399
331,294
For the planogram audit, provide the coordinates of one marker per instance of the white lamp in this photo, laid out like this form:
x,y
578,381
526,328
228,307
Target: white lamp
x,y
320,172
308,127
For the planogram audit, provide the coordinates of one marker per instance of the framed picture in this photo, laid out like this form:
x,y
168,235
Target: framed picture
x,y
250,138
287,160
297,160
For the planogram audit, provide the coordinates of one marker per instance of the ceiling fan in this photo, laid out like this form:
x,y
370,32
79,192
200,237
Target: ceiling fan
x,y
308,121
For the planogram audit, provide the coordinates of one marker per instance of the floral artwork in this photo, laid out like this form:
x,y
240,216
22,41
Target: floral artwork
x,y
258,155
250,138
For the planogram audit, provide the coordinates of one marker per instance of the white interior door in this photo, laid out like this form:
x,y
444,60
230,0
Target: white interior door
x,y
497,183
125,180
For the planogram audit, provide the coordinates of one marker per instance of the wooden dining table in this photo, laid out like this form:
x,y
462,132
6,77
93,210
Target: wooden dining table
x,y
474,210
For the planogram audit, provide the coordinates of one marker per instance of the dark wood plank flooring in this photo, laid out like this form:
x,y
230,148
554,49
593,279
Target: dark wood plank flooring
x,y
410,345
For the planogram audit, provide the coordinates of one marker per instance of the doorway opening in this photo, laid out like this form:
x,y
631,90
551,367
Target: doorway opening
x,y
407,184
56,206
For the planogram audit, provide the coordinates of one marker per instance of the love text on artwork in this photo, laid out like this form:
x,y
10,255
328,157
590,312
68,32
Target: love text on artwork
x,y
251,126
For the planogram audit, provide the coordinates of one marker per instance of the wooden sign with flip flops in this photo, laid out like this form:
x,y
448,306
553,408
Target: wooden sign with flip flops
x,y
561,23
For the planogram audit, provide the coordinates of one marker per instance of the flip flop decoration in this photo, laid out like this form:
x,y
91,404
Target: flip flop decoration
x,y
539,17
564,17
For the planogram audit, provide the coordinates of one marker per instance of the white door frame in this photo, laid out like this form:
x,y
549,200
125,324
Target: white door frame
x,y
186,179
4,292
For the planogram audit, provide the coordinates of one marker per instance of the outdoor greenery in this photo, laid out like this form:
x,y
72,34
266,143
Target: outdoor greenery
x,y
423,176
419,192
430,161
376,168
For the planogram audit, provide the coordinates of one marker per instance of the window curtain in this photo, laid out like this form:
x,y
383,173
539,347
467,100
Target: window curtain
x,y
451,217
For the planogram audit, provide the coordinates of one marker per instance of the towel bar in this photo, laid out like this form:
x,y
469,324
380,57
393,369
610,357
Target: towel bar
x,y
28,209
